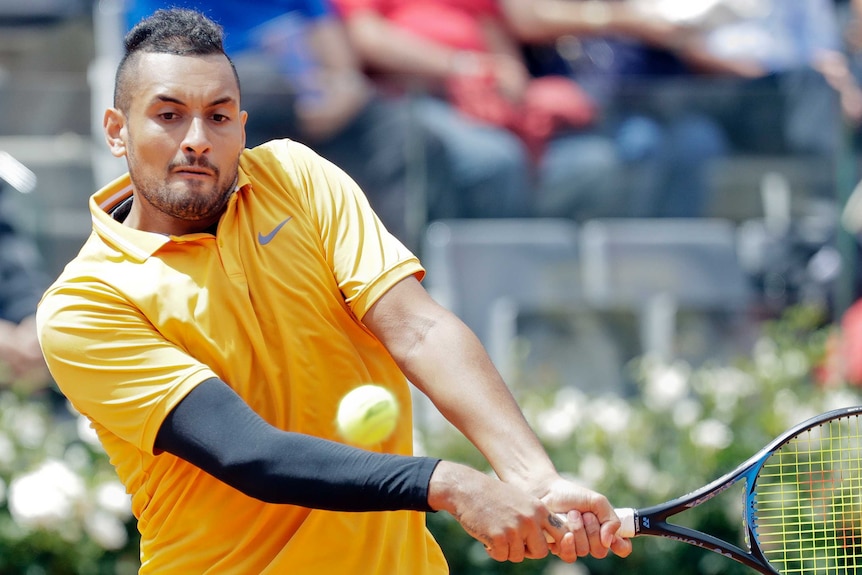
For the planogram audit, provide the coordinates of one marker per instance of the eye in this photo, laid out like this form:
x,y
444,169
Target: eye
x,y
168,116
220,118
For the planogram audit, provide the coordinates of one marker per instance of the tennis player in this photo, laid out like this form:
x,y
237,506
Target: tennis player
x,y
224,303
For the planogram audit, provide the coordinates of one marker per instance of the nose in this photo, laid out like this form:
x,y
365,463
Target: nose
x,y
196,138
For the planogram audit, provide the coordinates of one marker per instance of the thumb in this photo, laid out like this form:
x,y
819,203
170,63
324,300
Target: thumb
x,y
621,547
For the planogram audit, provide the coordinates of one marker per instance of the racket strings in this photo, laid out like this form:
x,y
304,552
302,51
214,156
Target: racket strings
x,y
807,515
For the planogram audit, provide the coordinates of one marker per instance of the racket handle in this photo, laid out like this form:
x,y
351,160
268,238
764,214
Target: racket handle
x,y
627,518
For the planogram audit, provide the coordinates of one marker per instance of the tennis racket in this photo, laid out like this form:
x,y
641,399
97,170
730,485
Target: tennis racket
x,y
802,502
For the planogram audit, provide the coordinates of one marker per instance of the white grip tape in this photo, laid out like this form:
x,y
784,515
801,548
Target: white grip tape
x,y
627,518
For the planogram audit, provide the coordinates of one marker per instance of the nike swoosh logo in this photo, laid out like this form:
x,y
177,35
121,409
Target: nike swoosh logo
x,y
265,239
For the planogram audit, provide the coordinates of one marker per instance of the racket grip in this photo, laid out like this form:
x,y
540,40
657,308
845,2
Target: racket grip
x,y
627,518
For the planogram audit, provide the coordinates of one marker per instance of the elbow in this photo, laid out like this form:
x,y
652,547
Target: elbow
x,y
248,477
411,345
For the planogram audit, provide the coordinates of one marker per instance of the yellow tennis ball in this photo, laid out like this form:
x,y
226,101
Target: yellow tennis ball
x,y
367,415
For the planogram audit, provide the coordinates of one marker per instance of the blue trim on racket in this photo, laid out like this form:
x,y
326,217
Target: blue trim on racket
x,y
654,520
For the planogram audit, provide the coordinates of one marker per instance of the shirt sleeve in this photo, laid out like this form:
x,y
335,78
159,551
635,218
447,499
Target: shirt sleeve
x,y
111,363
278,466
366,260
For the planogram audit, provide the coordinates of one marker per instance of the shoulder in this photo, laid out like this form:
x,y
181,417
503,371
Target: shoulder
x,y
288,163
284,155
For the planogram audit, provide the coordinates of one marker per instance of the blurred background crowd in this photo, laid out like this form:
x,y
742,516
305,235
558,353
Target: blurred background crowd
x,y
653,161
587,181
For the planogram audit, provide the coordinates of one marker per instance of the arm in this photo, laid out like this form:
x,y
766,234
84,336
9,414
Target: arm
x,y
835,68
22,281
446,361
543,21
547,20
392,50
215,430
410,58
413,60
344,87
21,355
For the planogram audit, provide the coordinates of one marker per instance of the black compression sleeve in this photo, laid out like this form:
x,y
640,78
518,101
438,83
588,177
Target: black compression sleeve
x,y
214,429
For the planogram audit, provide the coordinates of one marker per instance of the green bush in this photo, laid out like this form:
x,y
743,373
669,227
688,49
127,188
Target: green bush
x,y
683,428
62,509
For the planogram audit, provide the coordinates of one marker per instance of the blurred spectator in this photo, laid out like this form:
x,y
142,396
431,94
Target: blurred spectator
x,y
22,282
845,71
647,22
809,67
519,142
639,63
34,12
301,80
790,104
846,75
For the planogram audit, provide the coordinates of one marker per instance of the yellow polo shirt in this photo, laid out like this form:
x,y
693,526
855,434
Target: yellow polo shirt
x,y
271,305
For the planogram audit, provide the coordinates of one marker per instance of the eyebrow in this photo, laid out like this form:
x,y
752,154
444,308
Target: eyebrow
x,y
214,103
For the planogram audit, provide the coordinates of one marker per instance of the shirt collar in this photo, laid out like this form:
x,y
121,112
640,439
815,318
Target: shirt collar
x,y
137,244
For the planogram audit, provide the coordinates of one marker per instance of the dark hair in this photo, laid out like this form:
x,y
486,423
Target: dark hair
x,y
172,31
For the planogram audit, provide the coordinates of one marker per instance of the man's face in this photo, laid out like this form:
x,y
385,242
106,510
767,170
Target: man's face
x,y
182,136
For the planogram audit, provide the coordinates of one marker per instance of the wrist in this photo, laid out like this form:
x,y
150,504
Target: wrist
x,y
448,486
526,466
537,484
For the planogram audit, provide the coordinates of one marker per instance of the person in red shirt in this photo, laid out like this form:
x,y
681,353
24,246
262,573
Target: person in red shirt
x,y
474,88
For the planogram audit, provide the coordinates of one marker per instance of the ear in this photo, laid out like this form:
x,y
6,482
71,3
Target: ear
x,y
243,115
114,125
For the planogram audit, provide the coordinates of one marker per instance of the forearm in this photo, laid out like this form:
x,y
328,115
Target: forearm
x,y
449,365
444,359
215,430
700,60
416,57
329,42
547,20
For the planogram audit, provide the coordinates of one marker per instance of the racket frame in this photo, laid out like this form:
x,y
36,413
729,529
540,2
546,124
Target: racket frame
x,y
654,520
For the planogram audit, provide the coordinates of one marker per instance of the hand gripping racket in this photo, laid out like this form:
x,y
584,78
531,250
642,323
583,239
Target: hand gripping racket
x,y
802,502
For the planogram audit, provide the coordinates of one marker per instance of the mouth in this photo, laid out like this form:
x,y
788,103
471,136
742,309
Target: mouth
x,y
190,171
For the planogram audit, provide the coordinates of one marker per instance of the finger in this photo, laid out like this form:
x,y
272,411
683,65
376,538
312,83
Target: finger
x,y
556,527
604,512
594,536
497,552
516,550
537,540
621,547
609,530
576,526
565,548
537,549
563,545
